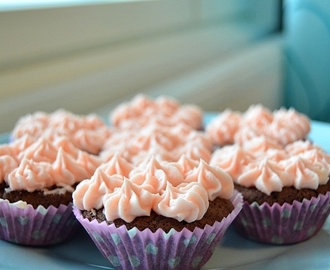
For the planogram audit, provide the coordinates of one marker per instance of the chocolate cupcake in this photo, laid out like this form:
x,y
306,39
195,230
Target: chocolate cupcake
x,y
281,126
85,132
36,190
164,215
286,192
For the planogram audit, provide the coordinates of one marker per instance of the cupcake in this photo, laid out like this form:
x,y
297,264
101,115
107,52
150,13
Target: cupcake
x,y
87,133
163,142
165,111
36,188
286,191
281,126
166,215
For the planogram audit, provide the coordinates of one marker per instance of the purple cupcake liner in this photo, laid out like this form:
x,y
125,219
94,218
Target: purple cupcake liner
x,y
134,249
20,223
286,224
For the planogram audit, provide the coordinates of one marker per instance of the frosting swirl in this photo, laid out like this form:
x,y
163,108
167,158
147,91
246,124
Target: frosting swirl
x,y
257,116
165,143
127,202
30,176
88,133
222,129
66,171
282,126
93,190
41,150
304,173
142,110
300,164
178,190
188,202
117,165
216,182
267,176
154,175
232,159
7,164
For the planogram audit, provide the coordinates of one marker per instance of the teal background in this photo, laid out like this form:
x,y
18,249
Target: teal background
x,y
307,57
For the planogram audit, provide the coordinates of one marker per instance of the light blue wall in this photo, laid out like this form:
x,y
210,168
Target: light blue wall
x,y
307,57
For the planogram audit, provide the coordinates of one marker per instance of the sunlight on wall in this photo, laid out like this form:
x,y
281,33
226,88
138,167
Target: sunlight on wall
x,y
6,5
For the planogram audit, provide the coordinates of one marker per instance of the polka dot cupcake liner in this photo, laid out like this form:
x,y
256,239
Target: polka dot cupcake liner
x,y
134,249
20,223
286,224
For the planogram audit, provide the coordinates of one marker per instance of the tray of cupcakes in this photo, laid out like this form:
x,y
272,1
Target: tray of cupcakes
x,y
162,184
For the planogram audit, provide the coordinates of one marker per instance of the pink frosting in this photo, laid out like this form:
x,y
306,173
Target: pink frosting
x,y
41,150
30,124
305,173
90,193
106,179
65,120
194,151
53,166
257,116
88,133
90,140
127,202
65,143
22,143
300,164
260,145
188,202
117,165
247,133
65,170
232,159
222,129
7,164
267,176
163,142
158,153
142,110
88,162
277,154
309,151
154,136
6,149
217,182
167,105
41,174
169,188
293,122
190,115
30,176
282,126
185,164
154,175
299,147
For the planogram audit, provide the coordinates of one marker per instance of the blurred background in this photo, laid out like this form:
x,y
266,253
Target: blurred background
x,y
88,56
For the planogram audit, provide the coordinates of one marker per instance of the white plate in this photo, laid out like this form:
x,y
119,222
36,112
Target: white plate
x,y
234,251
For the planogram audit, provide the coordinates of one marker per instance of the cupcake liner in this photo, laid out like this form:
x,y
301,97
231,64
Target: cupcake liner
x,y
20,223
286,224
135,249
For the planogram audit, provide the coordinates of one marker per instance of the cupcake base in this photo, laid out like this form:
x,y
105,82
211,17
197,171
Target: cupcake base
x,y
20,223
135,249
283,224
